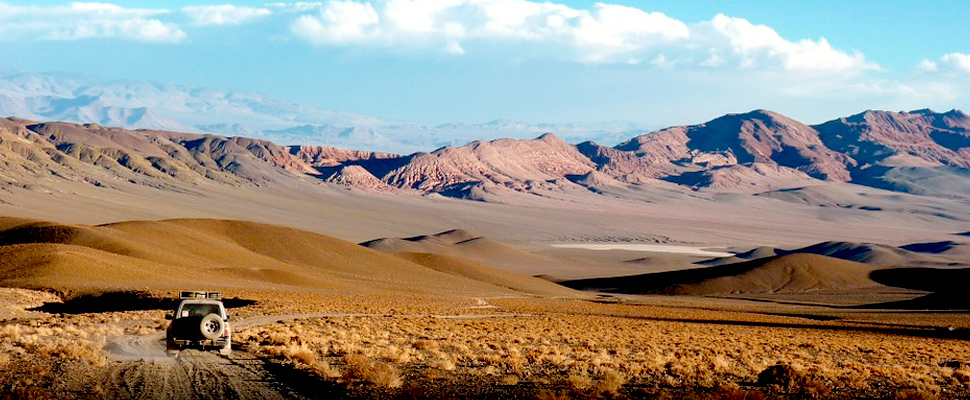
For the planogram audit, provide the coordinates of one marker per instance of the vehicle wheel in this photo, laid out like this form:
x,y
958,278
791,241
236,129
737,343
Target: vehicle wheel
x,y
212,326
226,351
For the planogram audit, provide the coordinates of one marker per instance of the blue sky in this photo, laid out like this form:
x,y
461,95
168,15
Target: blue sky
x,y
652,62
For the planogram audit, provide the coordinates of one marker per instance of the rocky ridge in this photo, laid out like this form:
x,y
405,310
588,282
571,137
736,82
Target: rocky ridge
x,y
748,153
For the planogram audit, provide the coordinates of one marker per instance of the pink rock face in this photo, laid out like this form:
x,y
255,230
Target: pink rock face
x,y
358,177
756,137
902,138
92,153
506,162
323,156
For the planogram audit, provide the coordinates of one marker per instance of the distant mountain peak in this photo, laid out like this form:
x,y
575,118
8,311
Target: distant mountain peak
x,y
956,112
164,106
551,138
760,112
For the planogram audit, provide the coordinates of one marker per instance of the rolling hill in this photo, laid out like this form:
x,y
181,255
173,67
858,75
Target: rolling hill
x,y
948,253
178,254
792,273
459,243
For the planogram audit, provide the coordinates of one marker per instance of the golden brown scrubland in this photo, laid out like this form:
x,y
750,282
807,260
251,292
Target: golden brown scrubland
x,y
316,316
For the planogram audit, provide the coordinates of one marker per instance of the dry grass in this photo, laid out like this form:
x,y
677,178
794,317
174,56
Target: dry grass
x,y
546,348
373,371
605,349
45,358
599,349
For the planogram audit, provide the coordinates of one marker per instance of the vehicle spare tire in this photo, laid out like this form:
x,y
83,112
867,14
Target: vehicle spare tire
x,y
212,326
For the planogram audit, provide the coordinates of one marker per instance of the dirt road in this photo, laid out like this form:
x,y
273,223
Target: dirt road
x,y
141,368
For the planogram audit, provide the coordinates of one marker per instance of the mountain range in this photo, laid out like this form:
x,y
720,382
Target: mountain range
x,y
920,152
151,105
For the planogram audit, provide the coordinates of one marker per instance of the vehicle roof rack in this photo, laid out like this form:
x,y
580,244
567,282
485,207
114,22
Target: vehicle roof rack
x,y
198,294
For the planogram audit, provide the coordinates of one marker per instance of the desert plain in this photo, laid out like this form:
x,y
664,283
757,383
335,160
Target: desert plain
x,y
765,282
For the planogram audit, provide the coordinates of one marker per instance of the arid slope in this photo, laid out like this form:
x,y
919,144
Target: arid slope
x,y
217,254
792,273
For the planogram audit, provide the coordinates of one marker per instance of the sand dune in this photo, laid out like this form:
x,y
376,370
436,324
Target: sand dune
x,y
215,254
753,254
466,245
948,247
926,254
472,270
867,253
782,274
22,231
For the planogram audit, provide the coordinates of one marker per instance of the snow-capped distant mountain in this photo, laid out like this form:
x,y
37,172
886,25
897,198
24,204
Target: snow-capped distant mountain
x,y
151,105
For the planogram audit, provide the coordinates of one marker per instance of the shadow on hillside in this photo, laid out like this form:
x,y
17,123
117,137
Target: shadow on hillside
x,y
121,301
950,288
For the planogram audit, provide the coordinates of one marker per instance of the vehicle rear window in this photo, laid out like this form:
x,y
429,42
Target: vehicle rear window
x,y
199,310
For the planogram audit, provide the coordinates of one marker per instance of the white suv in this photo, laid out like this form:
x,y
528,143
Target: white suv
x,y
199,322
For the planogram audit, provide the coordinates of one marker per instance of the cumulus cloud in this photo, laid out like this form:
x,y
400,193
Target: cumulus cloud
x,y
950,63
751,45
605,33
225,14
602,34
84,21
340,22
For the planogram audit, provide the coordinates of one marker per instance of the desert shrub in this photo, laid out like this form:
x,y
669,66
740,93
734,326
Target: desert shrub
x,y
372,371
301,353
323,368
609,380
782,375
509,380
580,380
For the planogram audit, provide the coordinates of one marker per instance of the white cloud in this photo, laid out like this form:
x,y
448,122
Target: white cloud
x,y
605,33
751,45
339,22
225,14
84,21
295,7
947,66
956,62
927,66
96,7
